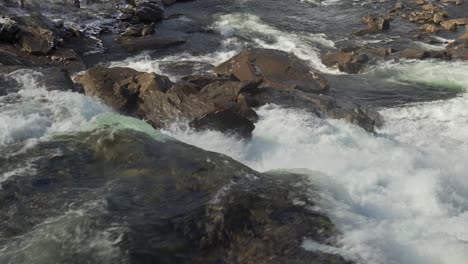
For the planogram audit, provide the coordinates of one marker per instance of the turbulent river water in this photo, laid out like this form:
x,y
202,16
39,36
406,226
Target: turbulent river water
x,y
397,196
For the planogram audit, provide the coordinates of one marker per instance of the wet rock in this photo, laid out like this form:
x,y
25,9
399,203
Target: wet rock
x,y
139,30
215,106
438,18
8,30
379,23
203,80
350,62
149,12
416,54
10,58
50,77
65,55
368,119
160,200
452,24
399,6
430,28
226,121
37,41
322,105
275,69
148,42
37,35
120,87
354,60
154,98
459,52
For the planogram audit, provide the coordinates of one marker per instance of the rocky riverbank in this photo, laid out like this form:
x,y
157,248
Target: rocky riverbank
x,y
150,197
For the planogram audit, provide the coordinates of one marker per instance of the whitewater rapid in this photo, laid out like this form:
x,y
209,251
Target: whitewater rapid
x,y
32,113
400,196
239,31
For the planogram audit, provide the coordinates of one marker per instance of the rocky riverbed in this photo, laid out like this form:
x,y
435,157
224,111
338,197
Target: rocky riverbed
x,y
209,131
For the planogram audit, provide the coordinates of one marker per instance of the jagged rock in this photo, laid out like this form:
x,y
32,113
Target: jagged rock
x,y
37,41
275,69
353,60
430,28
379,23
226,121
452,24
350,62
321,105
120,87
213,107
159,101
37,35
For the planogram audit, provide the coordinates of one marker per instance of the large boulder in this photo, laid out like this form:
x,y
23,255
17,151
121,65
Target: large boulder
x,y
160,102
275,69
37,41
214,106
38,35
115,195
149,11
120,87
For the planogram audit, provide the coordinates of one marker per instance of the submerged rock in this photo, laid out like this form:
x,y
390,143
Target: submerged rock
x,y
133,44
121,196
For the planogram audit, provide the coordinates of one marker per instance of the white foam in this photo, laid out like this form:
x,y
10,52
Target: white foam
x,y
398,197
77,235
251,27
145,63
323,2
34,112
240,31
